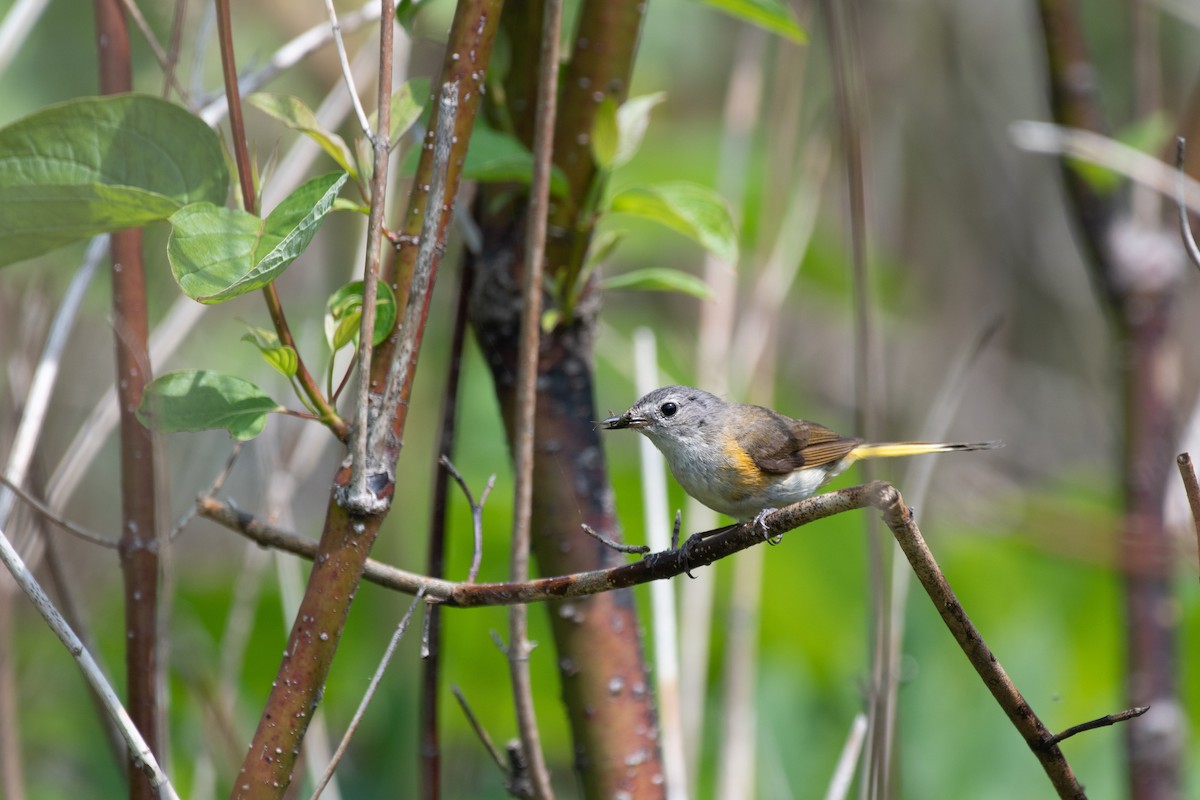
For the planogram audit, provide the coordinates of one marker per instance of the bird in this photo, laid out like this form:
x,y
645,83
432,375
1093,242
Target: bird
x,y
745,460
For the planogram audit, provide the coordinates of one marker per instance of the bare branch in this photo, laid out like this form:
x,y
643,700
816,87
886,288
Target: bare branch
x,y
479,731
476,513
139,751
348,77
1191,488
899,518
1185,226
66,525
1102,722
213,488
641,549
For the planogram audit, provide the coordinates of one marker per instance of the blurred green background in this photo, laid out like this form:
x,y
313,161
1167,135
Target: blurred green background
x,y
963,228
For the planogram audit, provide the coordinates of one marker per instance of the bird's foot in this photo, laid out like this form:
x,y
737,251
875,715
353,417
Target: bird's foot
x,y
760,522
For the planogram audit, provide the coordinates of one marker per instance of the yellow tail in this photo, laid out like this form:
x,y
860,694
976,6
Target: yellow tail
x,y
896,449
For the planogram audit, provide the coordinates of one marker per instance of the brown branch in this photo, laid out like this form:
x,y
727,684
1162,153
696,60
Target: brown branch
x,y
1102,722
705,548
139,545
899,518
700,550
628,549
1192,489
346,539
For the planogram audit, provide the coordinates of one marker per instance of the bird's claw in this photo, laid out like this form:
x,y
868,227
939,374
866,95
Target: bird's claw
x,y
760,523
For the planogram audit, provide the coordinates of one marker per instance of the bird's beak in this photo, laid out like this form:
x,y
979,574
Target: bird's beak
x,y
625,420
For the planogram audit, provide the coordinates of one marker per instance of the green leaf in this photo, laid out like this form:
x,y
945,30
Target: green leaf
x,y
343,314
100,164
406,12
773,16
217,254
495,157
633,117
550,318
199,400
659,279
293,113
606,136
694,210
407,103
280,356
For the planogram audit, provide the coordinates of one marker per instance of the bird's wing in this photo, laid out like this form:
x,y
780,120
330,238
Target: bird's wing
x,y
779,444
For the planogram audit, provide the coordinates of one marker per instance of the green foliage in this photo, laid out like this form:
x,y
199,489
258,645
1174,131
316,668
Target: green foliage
x,y
689,208
197,400
773,16
293,113
95,165
217,253
343,314
280,356
659,279
407,104
495,157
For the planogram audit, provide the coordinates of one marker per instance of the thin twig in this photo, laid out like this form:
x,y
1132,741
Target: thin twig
x,y
187,516
45,376
636,549
843,774
479,730
164,61
1046,137
379,175
429,765
1192,489
1185,225
476,513
178,19
139,752
290,54
66,525
349,78
381,450
1102,722
526,394
397,635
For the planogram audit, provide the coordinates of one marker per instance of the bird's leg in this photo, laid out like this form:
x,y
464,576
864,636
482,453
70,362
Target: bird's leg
x,y
760,522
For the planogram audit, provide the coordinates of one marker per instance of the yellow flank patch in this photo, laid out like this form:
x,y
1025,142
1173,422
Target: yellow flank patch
x,y
750,477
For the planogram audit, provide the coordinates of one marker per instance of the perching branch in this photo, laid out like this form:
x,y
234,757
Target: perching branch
x,y
706,548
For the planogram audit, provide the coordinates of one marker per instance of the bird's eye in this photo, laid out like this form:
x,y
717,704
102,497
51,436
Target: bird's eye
x,y
668,409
